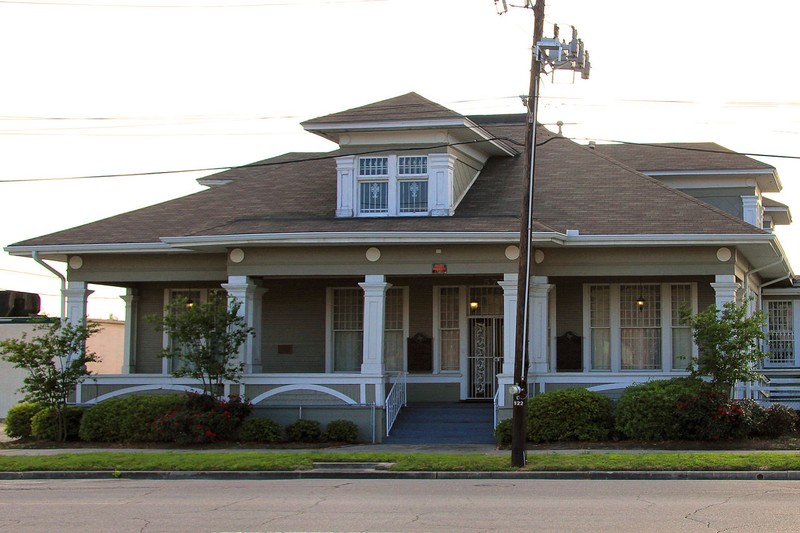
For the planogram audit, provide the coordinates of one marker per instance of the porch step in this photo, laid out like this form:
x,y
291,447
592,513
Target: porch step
x,y
443,423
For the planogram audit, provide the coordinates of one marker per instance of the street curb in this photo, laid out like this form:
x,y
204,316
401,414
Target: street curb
x,y
790,475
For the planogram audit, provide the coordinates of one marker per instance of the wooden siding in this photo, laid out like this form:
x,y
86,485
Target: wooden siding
x,y
294,319
149,341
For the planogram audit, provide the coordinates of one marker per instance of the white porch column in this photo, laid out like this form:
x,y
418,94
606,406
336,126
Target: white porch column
x,y
131,322
76,295
539,318
725,289
506,377
509,285
245,290
375,288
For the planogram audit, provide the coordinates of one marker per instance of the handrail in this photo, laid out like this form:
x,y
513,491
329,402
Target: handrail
x,y
495,408
395,400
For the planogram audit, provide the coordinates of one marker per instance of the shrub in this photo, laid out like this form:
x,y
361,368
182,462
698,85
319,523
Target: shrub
x,y
780,420
571,414
45,424
260,430
754,416
18,419
341,431
647,411
203,418
128,419
502,433
708,415
304,431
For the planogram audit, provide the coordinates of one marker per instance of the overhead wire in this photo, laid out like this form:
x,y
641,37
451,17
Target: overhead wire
x,y
327,156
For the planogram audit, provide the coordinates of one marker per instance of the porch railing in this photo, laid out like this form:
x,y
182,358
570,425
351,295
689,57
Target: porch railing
x,y
395,400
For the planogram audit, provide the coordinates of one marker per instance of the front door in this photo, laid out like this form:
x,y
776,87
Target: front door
x,y
485,357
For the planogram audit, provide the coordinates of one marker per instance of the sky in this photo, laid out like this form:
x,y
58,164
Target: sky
x,y
108,87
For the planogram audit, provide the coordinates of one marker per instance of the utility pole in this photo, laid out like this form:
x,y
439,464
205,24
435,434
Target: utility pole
x,y
558,55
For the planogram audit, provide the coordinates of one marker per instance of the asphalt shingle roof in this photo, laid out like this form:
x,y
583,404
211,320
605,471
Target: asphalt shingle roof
x,y
575,188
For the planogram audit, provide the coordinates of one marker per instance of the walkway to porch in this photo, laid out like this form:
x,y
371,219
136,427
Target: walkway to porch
x,y
443,423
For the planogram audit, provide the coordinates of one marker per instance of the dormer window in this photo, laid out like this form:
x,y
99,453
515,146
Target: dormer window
x,y
393,185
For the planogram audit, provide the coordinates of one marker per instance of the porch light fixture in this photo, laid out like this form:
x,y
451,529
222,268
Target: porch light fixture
x,y
640,301
189,303
473,306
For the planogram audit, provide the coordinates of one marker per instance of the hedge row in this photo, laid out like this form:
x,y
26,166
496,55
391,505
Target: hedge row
x,y
673,409
183,419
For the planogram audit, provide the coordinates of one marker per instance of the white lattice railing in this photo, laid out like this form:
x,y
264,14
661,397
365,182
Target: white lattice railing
x,y
395,400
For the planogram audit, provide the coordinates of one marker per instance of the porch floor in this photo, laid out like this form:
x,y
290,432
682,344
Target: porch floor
x,y
443,423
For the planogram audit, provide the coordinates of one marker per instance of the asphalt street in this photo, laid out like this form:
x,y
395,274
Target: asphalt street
x,y
124,505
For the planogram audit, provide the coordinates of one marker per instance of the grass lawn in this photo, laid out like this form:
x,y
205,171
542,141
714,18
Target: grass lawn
x,y
285,461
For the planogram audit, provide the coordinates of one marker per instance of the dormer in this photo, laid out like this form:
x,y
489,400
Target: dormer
x,y
728,180
406,156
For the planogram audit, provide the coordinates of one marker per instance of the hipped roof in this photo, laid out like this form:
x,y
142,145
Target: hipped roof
x,y
576,188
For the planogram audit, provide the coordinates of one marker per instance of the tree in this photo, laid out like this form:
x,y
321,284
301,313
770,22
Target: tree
x,y
728,341
205,340
56,363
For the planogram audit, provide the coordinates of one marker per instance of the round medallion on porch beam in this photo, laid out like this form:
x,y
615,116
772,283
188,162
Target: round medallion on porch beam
x,y
75,262
236,255
538,256
512,252
724,255
373,254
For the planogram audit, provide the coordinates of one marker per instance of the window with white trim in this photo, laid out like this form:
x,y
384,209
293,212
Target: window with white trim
x,y
780,333
681,328
348,329
450,328
393,185
347,322
638,327
190,298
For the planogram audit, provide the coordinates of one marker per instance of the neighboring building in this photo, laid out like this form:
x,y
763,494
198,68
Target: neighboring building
x,y
397,253
107,342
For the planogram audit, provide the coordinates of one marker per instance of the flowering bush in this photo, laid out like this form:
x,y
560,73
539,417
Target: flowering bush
x,y
203,419
708,415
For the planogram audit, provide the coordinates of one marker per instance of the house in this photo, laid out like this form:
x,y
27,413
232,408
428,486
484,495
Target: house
x,y
389,265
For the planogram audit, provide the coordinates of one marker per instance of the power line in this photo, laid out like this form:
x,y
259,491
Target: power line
x,y
269,163
288,3
256,165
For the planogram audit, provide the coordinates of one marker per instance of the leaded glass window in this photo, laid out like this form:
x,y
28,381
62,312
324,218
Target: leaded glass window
x,y
412,166
374,196
413,196
373,166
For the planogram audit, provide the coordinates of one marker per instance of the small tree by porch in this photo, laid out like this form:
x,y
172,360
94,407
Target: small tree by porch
x,y
205,339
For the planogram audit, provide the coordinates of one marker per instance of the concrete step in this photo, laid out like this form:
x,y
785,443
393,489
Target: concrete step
x,y
446,423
